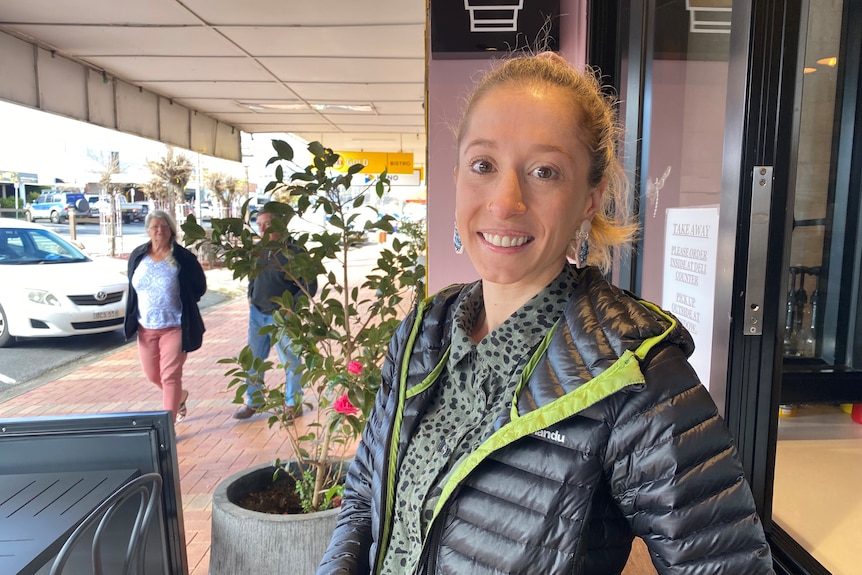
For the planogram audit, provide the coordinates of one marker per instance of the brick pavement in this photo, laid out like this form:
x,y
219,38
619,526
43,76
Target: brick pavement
x,y
211,445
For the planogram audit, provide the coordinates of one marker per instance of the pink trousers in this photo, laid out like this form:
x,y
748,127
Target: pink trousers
x,y
162,357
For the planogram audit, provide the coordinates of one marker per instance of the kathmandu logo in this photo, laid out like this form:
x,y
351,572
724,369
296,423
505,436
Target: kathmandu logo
x,y
552,435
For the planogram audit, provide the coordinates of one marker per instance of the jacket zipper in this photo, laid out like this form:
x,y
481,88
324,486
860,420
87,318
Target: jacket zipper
x,y
428,557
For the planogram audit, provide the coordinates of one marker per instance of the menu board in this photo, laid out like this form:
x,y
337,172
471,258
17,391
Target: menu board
x,y
688,287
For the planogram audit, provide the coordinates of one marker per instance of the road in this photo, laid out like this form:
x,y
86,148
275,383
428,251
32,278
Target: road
x,y
32,362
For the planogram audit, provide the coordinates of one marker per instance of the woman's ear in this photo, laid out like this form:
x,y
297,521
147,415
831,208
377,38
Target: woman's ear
x,y
594,199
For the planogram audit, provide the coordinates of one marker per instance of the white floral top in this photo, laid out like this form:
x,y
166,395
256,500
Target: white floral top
x,y
158,287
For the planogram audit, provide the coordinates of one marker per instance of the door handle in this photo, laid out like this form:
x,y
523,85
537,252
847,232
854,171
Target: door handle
x,y
758,240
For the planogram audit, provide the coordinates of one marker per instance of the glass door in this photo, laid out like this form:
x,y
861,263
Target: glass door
x,y
743,131
701,86
818,463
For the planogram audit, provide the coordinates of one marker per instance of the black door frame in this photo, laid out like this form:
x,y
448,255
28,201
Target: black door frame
x,y
762,117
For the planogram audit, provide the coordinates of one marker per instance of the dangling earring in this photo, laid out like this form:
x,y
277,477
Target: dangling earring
x,y
456,239
582,238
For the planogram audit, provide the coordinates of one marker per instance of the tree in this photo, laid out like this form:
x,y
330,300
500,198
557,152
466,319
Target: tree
x,y
108,166
158,191
224,190
174,170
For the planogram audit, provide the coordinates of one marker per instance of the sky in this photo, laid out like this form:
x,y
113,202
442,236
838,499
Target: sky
x,y
52,147
58,148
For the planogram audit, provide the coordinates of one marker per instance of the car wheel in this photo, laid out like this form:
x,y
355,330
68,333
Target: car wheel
x,y
55,217
28,216
5,338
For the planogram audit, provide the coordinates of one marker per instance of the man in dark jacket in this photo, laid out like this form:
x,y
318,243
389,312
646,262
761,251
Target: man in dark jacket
x,y
270,283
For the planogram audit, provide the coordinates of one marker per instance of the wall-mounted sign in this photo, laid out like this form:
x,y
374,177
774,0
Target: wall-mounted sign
x,y
376,162
21,177
484,28
413,179
688,284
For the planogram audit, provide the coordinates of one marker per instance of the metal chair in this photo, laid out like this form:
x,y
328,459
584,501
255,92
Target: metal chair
x,y
148,487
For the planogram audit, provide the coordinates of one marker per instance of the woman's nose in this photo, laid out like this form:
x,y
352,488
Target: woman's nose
x,y
507,200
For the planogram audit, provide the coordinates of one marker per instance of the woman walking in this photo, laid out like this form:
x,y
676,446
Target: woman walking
x,y
166,281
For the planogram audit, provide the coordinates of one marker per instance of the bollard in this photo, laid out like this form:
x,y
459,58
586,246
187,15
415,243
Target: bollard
x,y
72,226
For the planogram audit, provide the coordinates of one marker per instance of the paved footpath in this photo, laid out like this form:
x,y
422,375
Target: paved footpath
x,y
211,445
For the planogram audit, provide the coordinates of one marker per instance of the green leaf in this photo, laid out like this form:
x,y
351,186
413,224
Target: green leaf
x,y
316,148
285,152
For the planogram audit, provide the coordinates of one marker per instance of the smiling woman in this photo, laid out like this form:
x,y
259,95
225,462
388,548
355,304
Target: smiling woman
x,y
51,289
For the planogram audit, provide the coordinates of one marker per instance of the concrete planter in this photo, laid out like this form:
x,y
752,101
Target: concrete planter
x,y
246,541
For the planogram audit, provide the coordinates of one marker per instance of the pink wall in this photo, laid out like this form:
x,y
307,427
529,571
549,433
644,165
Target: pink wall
x,y
449,84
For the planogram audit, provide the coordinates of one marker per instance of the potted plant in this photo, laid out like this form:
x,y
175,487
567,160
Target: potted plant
x,y
340,332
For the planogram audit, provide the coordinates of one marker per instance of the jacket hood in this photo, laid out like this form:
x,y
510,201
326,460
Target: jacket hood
x,y
602,323
616,321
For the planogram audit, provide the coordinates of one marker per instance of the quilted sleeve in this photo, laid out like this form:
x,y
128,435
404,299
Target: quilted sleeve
x,y
674,471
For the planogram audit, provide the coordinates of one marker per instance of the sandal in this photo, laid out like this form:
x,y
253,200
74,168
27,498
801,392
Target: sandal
x,y
181,410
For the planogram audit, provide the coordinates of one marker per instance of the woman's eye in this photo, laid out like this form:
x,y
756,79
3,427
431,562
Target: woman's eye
x,y
481,166
544,173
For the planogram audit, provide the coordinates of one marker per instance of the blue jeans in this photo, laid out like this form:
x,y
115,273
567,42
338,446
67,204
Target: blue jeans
x,y
260,346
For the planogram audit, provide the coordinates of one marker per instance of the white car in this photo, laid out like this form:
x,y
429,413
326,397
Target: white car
x,y
206,212
49,288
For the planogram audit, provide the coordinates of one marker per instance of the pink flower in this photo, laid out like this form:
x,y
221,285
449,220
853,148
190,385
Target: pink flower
x,y
354,367
343,405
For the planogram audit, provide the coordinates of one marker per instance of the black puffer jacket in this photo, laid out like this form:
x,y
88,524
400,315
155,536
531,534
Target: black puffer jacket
x,y
614,436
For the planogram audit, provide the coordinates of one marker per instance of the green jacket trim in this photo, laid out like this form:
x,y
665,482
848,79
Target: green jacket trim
x,y
623,373
403,394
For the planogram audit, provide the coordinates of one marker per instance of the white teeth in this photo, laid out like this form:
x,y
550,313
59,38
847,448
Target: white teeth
x,y
505,241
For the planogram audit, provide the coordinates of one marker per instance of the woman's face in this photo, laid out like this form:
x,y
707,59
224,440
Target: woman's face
x,y
159,230
521,186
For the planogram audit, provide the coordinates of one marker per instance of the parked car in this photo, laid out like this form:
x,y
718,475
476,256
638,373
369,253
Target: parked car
x,y
131,211
206,211
97,203
52,289
56,206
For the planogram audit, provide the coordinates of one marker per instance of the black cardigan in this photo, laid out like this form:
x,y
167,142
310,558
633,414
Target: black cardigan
x,y
193,285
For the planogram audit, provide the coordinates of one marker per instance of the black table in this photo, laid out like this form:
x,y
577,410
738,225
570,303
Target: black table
x,y
38,512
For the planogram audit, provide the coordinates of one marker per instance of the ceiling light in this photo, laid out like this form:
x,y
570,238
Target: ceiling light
x,y
343,107
274,106
808,70
831,61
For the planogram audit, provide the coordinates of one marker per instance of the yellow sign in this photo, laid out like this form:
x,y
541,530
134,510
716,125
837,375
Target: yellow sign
x,y
376,162
399,163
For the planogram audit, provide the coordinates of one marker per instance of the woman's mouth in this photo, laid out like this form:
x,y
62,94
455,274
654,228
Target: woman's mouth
x,y
505,241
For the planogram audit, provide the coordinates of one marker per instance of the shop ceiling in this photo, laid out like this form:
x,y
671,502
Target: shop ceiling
x,y
350,73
